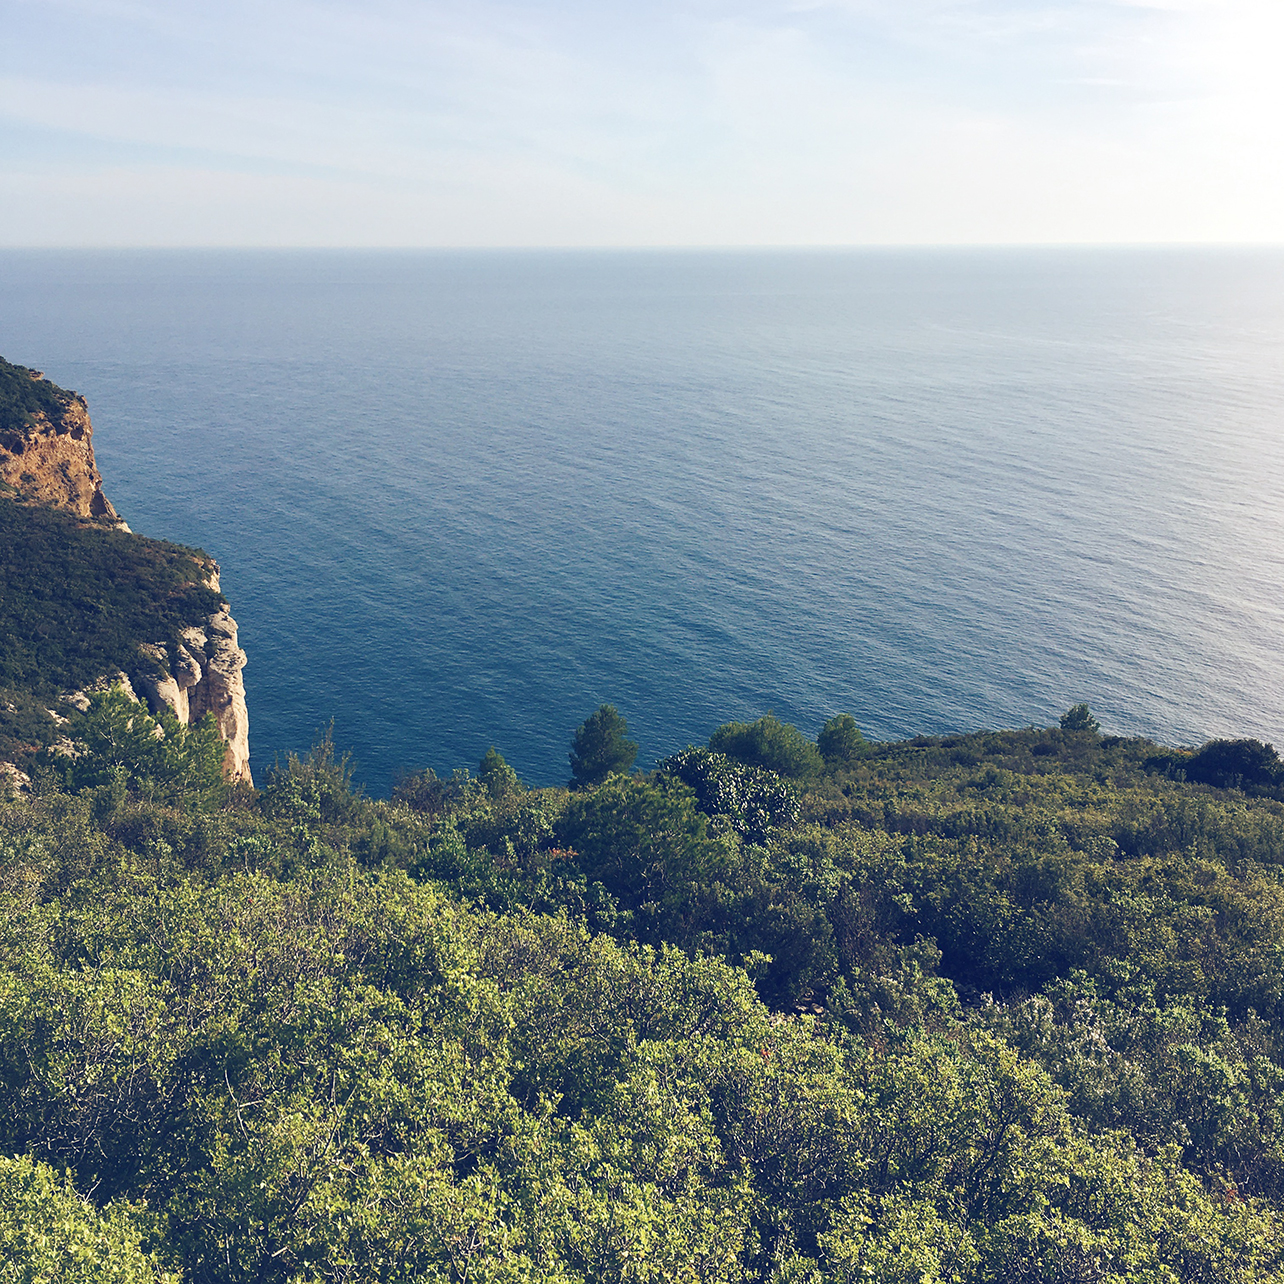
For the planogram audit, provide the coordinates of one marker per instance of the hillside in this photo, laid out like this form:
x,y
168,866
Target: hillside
x,y
1007,1006
85,602
996,1007
76,601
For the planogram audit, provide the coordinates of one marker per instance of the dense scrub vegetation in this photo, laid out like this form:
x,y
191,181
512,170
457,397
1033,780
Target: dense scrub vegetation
x,y
76,598
22,397
998,1007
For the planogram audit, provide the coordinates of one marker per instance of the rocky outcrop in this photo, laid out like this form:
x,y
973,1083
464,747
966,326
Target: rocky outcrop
x,y
109,681
221,689
46,446
47,457
13,781
204,676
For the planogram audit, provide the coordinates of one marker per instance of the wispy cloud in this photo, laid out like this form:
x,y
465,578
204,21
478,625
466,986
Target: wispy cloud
x,y
777,120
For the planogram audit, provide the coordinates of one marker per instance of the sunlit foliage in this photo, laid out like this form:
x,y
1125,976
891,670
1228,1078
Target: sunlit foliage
x,y
980,1009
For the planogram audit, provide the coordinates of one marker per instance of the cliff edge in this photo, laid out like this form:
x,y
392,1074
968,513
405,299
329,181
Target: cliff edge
x,y
46,445
84,601
200,673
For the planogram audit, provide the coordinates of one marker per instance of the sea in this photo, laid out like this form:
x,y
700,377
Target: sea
x,y
462,498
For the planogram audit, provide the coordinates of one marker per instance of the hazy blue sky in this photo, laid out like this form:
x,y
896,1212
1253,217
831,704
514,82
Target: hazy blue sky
x,y
654,122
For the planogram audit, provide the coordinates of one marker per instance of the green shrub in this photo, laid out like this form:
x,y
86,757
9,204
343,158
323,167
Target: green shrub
x,y
77,598
49,1234
770,744
840,742
115,738
752,801
601,748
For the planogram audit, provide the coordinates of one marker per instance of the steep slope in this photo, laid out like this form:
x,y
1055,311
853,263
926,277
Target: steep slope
x,y
85,602
46,444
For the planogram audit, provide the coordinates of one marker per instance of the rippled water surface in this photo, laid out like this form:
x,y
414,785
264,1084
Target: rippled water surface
x,y
460,499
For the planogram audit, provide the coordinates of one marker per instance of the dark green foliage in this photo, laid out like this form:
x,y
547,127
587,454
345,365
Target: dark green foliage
x,y
496,776
1173,1071
648,846
21,397
1016,1013
1079,718
333,1073
752,801
770,744
76,599
1236,764
840,742
601,747
316,788
25,723
116,739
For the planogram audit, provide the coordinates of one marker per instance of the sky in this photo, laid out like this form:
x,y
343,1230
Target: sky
x,y
646,123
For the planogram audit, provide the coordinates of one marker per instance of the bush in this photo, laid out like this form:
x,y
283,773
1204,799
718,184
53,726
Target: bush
x,y
752,800
647,845
22,397
840,741
1249,765
771,744
158,758
48,1232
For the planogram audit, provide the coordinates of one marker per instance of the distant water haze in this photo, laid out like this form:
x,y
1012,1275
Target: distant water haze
x,y
462,498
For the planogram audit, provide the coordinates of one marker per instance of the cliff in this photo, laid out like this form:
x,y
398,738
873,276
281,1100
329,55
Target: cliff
x,y
85,601
46,445
200,673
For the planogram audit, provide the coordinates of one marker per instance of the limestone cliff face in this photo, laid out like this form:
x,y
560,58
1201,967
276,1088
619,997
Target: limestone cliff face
x,y
47,452
205,676
47,457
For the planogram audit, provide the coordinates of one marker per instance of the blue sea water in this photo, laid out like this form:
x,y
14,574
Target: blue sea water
x,y
462,498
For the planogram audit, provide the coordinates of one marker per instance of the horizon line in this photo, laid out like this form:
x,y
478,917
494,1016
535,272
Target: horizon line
x,y
642,247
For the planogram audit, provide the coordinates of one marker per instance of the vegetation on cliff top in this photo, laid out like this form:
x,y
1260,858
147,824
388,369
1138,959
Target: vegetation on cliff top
x,y
22,397
1007,1006
76,599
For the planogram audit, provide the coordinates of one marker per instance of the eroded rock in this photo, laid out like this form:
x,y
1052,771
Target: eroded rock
x,y
50,457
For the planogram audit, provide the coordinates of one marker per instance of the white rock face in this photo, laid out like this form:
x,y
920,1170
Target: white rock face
x,y
187,673
117,679
206,678
164,690
14,781
208,675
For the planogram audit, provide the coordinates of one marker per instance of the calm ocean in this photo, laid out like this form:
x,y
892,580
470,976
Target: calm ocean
x,y
460,499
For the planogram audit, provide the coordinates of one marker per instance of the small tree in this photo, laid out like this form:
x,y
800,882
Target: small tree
x,y
1079,718
649,846
601,748
157,757
770,744
840,741
1249,765
498,777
